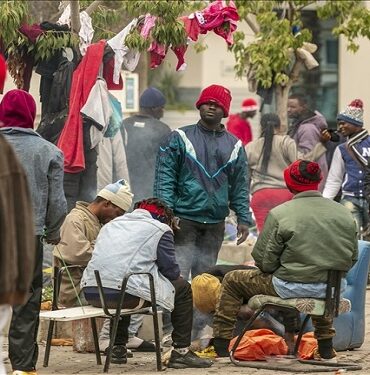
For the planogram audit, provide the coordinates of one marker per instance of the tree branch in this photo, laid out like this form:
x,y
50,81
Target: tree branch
x,y
93,6
252,24
75,16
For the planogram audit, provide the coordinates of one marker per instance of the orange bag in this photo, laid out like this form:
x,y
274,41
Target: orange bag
x,y
257,344
307,346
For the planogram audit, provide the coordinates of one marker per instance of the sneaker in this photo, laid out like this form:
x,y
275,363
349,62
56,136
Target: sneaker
x,y
19,372
188,360
145,347
119,354
317,357
129,353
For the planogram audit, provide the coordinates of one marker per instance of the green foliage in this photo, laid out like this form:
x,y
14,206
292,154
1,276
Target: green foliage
x,y
271,55
12,14
353,20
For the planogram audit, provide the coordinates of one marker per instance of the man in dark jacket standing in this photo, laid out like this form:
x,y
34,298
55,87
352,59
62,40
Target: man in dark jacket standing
x,y
201,171
143,134
43,164
301,240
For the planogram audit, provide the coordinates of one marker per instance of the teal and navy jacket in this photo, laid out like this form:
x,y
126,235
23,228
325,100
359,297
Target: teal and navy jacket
x,y
200,173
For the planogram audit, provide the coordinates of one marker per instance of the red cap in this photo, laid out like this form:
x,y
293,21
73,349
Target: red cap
x,y
249,105
2,73
302,175
218,94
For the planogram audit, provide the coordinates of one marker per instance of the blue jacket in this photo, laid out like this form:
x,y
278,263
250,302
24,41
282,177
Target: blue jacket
x,y
201,173
353,183
43,164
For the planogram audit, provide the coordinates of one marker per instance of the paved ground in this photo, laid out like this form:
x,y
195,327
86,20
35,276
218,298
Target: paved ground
x,y
64,361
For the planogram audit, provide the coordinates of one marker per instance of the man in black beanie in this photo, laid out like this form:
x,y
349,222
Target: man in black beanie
x,y
142,135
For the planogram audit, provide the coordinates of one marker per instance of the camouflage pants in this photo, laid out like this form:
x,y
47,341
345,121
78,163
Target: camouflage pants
x,y
237,288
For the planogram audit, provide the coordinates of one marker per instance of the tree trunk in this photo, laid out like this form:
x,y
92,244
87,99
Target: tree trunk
x,y
281,97
142,70
75,16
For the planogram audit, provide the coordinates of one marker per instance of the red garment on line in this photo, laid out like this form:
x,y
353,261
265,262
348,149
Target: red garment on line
x,y
84,78
264,200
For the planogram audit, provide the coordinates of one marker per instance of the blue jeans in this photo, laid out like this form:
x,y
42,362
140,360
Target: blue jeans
x,y
197,246
359,209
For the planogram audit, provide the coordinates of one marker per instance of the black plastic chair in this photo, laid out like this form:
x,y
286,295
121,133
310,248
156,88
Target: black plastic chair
x,y
116,314
333,305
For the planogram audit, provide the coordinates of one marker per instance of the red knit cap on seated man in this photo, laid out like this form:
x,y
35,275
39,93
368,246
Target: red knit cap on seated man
x,y
302,175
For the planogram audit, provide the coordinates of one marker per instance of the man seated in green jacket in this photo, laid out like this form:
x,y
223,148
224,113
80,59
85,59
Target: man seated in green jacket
x,y
301,240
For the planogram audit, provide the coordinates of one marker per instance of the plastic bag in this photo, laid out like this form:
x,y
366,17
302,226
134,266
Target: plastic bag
x,y
257,344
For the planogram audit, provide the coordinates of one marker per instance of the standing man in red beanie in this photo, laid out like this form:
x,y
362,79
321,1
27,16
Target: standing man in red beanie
x,y
239,125
201,171
43,165
301,240
17,247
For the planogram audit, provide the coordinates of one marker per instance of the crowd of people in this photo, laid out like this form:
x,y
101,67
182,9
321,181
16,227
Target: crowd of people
x,y
165,214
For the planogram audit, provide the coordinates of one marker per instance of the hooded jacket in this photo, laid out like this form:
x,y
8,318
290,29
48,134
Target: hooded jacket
x,y
41,160
200,173
307,134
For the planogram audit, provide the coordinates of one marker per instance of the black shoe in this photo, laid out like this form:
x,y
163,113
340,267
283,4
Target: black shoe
x,y
221,346
145,347
188,360
128,353
119,354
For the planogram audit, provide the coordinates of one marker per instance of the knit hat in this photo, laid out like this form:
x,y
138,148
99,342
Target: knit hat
x,y
206,291
151,98
118,193
303,175
2,73
354,113
218,94
249,105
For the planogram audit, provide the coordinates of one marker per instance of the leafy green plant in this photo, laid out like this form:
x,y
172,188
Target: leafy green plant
x,y
273,57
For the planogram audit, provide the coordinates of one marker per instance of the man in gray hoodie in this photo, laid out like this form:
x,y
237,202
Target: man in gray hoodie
x,y
306,129
43,164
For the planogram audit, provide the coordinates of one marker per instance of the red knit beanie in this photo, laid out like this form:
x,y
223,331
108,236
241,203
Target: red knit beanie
x,y
303,175
2,73
218,94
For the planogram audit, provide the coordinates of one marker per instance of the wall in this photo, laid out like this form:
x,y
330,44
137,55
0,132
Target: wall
x,y
354,76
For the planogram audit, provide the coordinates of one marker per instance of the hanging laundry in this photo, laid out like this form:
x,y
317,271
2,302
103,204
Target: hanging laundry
x,y
218,17
84,78
149,22
180,54
108,76
115,121
123,55
98,109
157,54
86,32
192,27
